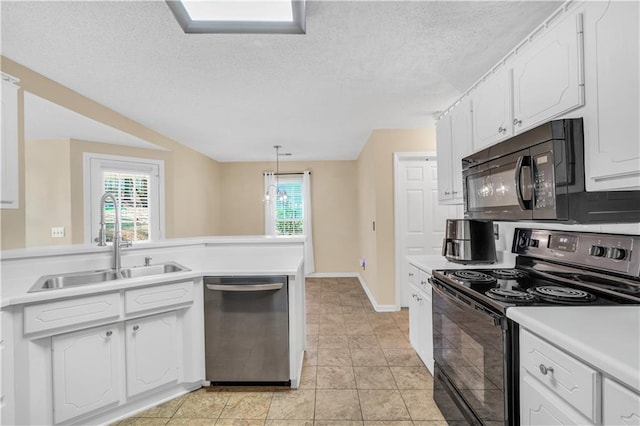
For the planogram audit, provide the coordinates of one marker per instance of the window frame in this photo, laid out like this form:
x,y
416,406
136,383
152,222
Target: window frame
x,y
189,26
93,166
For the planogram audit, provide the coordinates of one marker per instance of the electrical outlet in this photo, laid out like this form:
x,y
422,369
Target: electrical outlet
x,y
57,232
363,263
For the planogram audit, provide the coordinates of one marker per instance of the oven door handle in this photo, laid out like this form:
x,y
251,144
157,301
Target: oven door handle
x,y
523,161
465,302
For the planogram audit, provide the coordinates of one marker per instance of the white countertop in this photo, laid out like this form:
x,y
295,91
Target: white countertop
x,y
607,337
430,262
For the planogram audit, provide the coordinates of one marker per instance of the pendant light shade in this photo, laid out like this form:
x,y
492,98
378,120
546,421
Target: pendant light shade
x,y
280,193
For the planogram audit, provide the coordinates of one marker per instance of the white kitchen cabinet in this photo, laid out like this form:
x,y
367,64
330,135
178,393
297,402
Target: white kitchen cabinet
x,y
612,85
9,183
453,133
621,406
492,109
151,352
86,371
547,75
420,319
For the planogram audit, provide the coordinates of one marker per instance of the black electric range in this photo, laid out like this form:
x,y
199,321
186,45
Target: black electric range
x,y
476,345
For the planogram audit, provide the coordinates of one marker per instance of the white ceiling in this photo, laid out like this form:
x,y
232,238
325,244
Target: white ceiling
x,y
362,65
44,119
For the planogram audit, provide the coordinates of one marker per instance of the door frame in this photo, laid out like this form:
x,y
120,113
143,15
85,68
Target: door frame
x,y
397,158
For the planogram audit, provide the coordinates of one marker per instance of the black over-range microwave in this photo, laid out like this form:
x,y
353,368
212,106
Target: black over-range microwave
x,y
539,175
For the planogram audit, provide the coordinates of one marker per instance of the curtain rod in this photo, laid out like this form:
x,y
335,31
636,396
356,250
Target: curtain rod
x,y
285,173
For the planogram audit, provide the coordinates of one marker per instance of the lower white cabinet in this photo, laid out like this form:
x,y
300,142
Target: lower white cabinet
x,y
151,352
420,319
556,388
86,371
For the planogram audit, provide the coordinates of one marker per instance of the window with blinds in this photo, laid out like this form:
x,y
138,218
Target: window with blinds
x,y
132,192
290,209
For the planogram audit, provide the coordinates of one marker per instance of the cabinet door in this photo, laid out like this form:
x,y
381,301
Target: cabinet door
x,y
460,144
86,371
611,48
426,321
492,110
547,78
151,352
621,406
9,147
444,148
415,325
538,407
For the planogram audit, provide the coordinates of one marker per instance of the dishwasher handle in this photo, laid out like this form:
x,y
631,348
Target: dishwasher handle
x,y
245,287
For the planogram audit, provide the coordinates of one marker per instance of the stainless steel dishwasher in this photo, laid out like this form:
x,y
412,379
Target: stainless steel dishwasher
x,y
246,329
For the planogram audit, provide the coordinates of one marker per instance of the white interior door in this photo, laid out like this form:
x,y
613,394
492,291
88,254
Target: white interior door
x,y
420,220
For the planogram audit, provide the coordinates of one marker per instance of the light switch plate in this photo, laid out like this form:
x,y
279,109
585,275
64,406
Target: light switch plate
x,y
57,232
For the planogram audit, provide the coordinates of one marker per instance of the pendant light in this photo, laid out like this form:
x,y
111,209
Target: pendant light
x,y
281,194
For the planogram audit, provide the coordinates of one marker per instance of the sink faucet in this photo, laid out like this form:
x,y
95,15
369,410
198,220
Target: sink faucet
x,y
117,237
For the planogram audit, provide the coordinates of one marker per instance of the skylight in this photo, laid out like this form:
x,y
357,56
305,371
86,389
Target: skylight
x,y
240,16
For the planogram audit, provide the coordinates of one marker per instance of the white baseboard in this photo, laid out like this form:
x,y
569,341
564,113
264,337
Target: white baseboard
x,y
374,303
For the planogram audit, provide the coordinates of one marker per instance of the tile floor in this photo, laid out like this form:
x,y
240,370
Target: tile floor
x,y
359,369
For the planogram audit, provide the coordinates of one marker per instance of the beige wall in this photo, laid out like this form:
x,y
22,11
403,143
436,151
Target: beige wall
x,y
333,197
191,206
379,246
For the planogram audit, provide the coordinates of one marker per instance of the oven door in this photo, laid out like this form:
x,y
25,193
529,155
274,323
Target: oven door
x,y
500,189
471,350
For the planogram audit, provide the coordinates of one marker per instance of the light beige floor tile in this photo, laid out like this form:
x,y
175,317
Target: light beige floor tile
x,y
143,421
393,340
382,405
239,422
355,318
308,377
353,309
412,377
247,405
363,342
313,308
312,341
330,308
357,329
335,378
374,378
293,405
183,421
330,318
368,357
333,342
332,328
203,404
388,423
421,405
402,357
312,329
313,318
337,405
338,423
334,357
431,423
288,423
167,409
311,357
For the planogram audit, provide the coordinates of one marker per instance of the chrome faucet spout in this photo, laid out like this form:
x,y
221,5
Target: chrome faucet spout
x,y
117,237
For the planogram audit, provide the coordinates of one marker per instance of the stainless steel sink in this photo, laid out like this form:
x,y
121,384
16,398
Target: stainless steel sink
x,y
76,279
143,271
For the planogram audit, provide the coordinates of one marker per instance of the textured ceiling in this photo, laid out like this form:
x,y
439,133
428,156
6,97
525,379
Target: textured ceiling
x,y
361,66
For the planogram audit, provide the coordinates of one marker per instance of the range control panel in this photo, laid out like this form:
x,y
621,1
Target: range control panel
x,y
612,252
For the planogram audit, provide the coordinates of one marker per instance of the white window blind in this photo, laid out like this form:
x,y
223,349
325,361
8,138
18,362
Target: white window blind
x,y
290,209
132,192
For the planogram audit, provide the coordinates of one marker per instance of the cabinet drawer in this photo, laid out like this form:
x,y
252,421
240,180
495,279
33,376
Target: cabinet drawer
x,y
423,282
62,313
621,405
146,298
567,377
413,274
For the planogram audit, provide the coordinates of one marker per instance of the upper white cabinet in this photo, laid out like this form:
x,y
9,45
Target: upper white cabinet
x,y
547,75
492,110
86,371
152,352
453,135
612,107
9,162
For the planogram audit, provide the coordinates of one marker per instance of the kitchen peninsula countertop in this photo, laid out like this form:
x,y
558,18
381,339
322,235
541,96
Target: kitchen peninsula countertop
x,y
607,337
